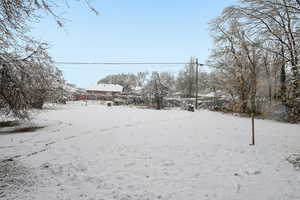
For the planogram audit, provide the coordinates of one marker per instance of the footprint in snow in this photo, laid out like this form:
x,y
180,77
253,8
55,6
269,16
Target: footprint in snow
x,y
168,164
129,165
253,173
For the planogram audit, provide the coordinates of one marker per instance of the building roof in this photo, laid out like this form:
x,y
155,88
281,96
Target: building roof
x,y
105,88
70,88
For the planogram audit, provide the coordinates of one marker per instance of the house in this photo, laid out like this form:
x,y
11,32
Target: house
x,y
104,89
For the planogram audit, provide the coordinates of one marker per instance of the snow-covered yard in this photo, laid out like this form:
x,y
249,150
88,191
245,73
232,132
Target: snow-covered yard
x,y
94,152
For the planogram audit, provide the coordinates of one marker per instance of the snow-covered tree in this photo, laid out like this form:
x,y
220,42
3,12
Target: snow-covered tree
x,y
186,79
155,91
257,53
27,75
26,83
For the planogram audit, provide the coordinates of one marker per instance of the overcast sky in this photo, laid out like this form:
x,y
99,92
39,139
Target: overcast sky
x,y
129,31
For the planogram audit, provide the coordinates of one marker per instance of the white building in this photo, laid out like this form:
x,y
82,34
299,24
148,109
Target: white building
x,y
105,89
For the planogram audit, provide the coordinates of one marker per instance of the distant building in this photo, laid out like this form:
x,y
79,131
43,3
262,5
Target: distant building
x,y
71,88
71,92
105,89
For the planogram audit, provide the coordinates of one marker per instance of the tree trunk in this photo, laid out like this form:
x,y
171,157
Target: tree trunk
x,y
283,84
157,96
294,112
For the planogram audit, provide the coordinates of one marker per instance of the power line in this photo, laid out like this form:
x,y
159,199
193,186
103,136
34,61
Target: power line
x,y
122,63
118,63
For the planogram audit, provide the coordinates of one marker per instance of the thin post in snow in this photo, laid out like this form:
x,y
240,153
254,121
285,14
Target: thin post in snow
x,y
197,82
252,117
253,129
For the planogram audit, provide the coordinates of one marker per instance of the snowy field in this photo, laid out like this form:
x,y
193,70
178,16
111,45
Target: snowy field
x,y
98,153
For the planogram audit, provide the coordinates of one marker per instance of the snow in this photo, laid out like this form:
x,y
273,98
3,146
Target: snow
x,y
127,153
138,89
105,88
211,94
214,94
70,88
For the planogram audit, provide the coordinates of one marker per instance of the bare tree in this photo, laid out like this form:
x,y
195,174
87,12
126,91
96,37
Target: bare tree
x,y
168,80
230,61
186,79
142,78
155,91
275,21
27,74
256,41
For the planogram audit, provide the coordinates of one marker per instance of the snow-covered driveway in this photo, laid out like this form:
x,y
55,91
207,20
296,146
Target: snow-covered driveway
x,y
95,152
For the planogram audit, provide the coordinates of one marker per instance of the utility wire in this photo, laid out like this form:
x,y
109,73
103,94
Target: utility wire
x,y
117,63
123,63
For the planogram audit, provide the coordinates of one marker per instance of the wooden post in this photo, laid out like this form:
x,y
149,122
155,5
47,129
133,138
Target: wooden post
x,y
252,115
253,129
197,83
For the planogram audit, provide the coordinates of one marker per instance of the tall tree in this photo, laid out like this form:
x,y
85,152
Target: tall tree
x,y
258,40
26,70
276,21
155,90
186,80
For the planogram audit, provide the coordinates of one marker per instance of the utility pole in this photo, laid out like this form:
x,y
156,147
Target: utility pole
x,y
197,83
197,80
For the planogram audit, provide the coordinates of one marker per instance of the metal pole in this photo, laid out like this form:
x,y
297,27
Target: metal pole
x,y
197,83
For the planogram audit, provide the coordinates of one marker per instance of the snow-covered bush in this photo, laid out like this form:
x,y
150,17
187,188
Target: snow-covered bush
x,y
26,83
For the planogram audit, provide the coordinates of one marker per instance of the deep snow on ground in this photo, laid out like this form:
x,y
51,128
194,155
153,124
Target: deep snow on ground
x,y
95,152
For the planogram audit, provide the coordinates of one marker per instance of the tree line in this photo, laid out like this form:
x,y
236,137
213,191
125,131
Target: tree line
x,y
256,55
183,83
255,60
154,86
